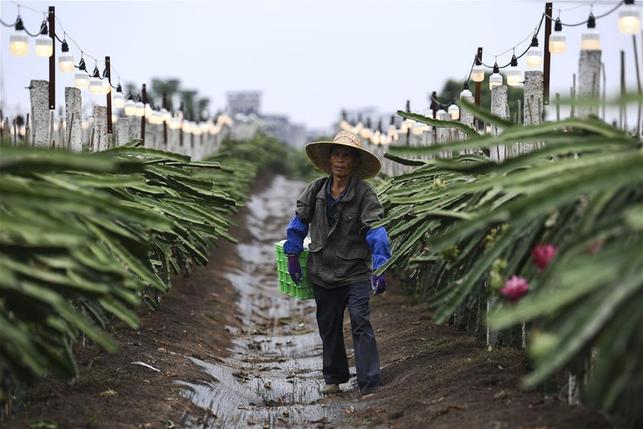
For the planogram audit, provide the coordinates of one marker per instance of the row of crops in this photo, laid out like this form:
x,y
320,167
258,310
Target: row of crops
x,y
87,238
546,246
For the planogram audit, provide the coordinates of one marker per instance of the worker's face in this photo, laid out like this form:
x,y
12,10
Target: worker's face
x,y
342,161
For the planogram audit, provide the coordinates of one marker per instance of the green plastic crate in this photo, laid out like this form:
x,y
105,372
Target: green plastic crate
x,y
302,291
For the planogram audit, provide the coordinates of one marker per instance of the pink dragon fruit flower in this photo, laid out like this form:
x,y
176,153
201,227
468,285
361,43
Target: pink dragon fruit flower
x,y
515,288
542,255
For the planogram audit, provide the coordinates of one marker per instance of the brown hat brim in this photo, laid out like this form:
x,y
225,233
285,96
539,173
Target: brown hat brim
x,y
319,155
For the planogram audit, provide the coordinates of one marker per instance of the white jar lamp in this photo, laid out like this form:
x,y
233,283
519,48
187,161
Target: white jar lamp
x,y
534,57
18,41
629,18
557,39
44,43
454,112
496,78
514,75
590,39
118,99
66,59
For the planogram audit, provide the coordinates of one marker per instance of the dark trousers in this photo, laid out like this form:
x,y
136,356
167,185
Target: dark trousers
x,y
331,304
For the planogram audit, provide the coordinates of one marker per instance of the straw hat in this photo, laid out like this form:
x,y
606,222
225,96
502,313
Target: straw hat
x,y
319,154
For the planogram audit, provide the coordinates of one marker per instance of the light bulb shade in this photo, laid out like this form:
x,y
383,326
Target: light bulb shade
x,y
534,58
156,118
44,46
417,129
454,112
140,109
557,43
175,123
130,108
465,94
344,125
186,127
495,80
18,44
514,77
165,115
114,119
66,63
148,111
118,100
629,19
365,133
477,74
590,41
81,80
97,86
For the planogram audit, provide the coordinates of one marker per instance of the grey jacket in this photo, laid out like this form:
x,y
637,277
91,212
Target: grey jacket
x,y
339,254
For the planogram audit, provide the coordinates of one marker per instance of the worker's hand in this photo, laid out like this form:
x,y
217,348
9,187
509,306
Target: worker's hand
x,y
294,269
378,284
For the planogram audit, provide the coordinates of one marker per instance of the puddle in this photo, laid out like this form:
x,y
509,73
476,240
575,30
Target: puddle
x,y
272,378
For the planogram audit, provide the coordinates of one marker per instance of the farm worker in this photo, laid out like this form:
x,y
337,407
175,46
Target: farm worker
x,y
340,210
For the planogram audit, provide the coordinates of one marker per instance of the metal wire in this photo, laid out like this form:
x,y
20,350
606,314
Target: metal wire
x,y
595,16
8,25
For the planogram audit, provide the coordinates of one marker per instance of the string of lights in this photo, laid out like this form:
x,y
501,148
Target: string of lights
x,y
96,82
629,22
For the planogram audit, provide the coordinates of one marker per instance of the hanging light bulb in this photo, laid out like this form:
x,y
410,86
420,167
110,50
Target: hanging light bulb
x,y
514,75
95,84
165,115
81,80
140,109
629,18
114,119
130,107
534,54
175,123
454,112
466,93
590,39
66,60
18,42
557,39
44,43
496,78
477,74
118,100
148,111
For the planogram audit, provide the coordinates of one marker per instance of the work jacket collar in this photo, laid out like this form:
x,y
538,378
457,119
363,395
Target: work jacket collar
x,y
350,193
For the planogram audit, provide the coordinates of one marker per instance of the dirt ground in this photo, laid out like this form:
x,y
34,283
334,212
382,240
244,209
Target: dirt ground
x,y
434,376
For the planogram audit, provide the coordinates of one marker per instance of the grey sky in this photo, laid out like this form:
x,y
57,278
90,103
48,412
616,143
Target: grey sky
x,y
310,58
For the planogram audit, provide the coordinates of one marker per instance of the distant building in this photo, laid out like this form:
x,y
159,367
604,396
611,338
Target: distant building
x,y
245,107
244,102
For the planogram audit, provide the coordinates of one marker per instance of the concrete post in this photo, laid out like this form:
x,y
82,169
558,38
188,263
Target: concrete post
x,y
99,132
533,103
39,94
500,108
134,128
589,73
73,118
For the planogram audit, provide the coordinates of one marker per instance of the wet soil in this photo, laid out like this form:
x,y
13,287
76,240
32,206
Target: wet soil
x,y
234,353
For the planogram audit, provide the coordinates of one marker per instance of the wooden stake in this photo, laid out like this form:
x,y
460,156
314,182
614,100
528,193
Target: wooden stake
x,y
547,63
144,100
52,58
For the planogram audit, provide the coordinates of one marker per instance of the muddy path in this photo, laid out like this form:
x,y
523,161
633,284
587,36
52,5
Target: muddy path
x,y
272,376
230,351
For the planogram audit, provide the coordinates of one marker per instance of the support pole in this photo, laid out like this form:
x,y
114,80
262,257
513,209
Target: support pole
x,y
478,84
144,100
52,59
547,63
108,76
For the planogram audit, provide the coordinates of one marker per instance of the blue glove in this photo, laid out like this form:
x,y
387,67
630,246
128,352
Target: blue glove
x,y
378,284
295,234
294,269
377,241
